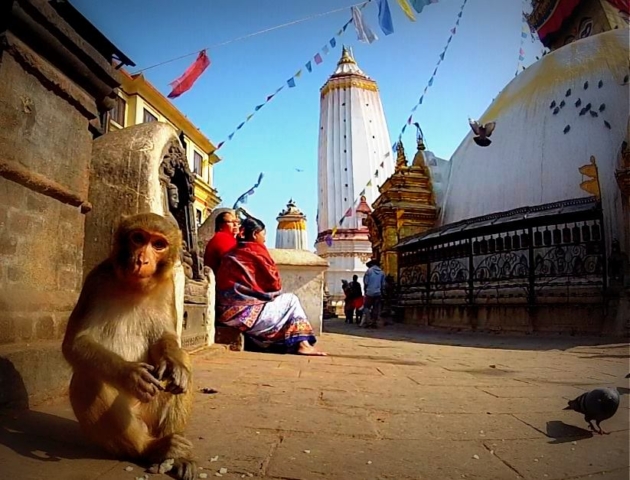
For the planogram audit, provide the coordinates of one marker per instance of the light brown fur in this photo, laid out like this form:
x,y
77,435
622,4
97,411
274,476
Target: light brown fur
x,y
131,388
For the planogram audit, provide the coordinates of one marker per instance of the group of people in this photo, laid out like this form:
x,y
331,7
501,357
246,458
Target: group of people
x,y
366,309
249,293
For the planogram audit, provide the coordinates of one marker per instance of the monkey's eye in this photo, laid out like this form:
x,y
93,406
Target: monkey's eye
x,y
137,238
160,244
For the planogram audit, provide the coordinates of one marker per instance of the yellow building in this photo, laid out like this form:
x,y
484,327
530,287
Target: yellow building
x,y
140,102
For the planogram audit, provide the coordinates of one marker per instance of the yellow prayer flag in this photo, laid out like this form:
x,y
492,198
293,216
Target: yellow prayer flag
x,y
249,117
298,74
334,231
589,170
369,184
591,186
404,4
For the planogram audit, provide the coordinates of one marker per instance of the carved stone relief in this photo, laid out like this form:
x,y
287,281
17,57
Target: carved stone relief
x,y
178,183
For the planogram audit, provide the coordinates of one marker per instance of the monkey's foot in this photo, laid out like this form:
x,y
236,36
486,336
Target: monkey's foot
x,y
184,469
164,467
170,447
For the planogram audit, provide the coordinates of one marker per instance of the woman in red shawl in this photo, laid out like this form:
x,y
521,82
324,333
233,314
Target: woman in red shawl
x,y
250,298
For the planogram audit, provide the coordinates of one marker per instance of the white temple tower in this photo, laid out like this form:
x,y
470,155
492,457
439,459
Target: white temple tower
x,y
354,145
291,231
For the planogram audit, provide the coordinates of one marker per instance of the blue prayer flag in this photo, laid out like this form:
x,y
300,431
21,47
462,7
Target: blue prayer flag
x,y
418,5
291,82
309,66
431,81
385,17
333,42
524,35
258,107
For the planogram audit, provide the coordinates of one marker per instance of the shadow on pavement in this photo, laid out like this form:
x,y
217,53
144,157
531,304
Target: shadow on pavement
x,y
564,433
45,437
511,341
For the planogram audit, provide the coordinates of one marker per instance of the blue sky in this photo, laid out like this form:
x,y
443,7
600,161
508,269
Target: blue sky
x,y
282,136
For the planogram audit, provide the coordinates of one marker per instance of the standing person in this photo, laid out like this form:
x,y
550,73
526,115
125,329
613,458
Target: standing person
x,y
250,298
350,300
357,298
374,282
226,229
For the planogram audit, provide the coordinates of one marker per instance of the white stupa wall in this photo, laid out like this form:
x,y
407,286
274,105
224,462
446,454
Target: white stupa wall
x,y
353,142
292,239
531,161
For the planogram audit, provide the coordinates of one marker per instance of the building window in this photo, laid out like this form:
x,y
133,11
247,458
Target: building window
x,y
118,112
148,117
198,213
197,162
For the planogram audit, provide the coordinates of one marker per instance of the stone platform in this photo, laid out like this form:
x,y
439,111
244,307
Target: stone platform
x,y
396,403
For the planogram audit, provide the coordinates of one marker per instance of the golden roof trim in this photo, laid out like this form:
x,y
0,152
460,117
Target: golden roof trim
x,y
349,81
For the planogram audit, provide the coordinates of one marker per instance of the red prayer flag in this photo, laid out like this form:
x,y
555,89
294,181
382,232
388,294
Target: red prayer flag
x,y
190,76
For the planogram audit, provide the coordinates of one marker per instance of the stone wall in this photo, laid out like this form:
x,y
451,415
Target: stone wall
x,y
581,319
302,273
49,113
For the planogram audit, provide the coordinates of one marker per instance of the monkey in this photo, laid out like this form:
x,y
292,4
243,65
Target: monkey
x,y
131,386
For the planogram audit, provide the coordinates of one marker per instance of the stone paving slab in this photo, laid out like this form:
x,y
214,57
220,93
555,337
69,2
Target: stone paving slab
x,y
319,458
395,403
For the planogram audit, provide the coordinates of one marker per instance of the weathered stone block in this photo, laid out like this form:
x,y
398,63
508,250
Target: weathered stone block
x,y
302,273
230,336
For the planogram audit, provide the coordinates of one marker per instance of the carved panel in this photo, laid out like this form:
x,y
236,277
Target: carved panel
x,y
178,184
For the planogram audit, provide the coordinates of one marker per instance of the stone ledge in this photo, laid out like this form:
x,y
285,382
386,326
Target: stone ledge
x,y
32,373
297,258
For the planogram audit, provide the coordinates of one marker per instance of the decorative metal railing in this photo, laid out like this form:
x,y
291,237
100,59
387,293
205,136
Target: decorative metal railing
x,y
533,258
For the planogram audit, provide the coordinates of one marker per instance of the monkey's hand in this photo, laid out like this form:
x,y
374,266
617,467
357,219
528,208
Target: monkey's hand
x,y
140,382
175,372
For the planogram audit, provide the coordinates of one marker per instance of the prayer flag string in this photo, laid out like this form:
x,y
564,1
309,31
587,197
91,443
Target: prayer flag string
x,y
317,59
437,66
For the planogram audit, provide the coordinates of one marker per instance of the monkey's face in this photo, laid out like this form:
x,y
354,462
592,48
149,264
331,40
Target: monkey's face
x,y
146,247
147,252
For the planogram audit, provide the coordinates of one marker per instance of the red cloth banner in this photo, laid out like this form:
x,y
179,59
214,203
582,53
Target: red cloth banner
x,y
190,76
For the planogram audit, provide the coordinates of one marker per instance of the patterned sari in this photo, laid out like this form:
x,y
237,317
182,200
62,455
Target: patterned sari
x,y
249,298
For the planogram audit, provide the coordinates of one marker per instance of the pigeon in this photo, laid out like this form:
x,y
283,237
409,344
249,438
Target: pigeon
x,y
599,405
482,132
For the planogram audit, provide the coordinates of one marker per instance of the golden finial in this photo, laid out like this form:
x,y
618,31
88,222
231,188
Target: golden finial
x,y
401,159
346,57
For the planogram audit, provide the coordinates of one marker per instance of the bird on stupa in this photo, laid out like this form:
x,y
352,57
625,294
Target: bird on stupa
x,y
482,132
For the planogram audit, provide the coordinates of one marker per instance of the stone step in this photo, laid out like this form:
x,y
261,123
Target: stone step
x,y
232,337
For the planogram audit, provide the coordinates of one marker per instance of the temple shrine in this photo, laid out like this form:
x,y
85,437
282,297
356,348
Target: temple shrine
x,y
353,144
291,230
405,207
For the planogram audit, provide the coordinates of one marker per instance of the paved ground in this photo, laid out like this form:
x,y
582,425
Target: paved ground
x,y
394,403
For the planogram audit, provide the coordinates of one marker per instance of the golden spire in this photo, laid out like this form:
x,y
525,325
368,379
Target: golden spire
x,y
346,57
419,159
401,159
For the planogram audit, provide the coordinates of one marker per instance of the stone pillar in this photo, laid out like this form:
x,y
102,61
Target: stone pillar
x,y
125,179
55,83
302,273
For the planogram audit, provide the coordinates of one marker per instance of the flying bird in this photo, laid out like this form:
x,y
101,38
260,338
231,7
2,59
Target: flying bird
x,y
299,170
482,132
598,405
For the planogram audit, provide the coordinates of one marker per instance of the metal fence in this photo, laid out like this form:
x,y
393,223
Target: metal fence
x,y
533,256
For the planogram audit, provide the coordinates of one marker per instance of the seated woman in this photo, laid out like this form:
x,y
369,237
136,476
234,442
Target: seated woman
x,y
249,296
